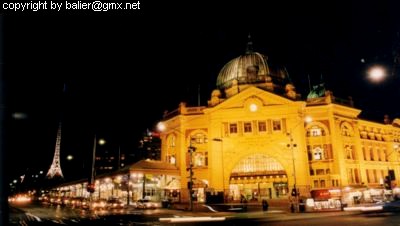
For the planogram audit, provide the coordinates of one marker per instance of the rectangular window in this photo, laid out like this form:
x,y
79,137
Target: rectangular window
x,y
199,159
276,125
318,153
262,126
385,155
320,172
322,183
328,151
371,153
375,180
353,153
309,152
315,132
350,176
316,184
364,152
233,128
247,127
357,178
172,160
348,152
226,129
269,124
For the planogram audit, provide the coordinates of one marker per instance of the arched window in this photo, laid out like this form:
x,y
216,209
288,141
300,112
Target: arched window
x,y
171,141
347,129
257,163
199,138
318,153
172,160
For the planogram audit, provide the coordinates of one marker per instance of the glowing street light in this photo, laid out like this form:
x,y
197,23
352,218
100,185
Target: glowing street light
x,y
377,73
70,157
222,165
292,145
102,141
161,127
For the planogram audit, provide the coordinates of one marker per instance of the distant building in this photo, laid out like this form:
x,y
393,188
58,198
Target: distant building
x,y
150,146
109,158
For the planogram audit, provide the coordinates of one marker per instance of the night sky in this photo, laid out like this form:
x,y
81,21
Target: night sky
x,y
122,70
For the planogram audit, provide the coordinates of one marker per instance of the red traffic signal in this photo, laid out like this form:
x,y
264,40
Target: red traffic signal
x,y
387,183
294,192
90,188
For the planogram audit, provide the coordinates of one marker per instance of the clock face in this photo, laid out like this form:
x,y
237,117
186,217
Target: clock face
x,y
253,107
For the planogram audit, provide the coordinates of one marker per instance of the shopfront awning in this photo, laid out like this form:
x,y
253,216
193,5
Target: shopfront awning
x,y
154,167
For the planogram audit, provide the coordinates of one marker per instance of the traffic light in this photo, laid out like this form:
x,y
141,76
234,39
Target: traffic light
x,y
190,184
294,192
388,183
190,172
90,188
192,149
392,175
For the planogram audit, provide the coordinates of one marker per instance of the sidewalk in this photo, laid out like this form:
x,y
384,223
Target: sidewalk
x,y
274,213
277,204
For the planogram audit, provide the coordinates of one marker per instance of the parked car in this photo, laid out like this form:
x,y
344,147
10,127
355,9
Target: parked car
x,y
99,204
393,206
115,204
79,202
147,204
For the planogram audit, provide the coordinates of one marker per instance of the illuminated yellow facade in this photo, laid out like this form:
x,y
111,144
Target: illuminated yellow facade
x,y
252,140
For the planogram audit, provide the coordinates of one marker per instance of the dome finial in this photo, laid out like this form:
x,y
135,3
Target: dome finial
x,y
249,47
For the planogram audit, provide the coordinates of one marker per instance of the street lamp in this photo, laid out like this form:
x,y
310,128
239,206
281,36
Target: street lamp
x,y
377,73
191,149
292,145
222,165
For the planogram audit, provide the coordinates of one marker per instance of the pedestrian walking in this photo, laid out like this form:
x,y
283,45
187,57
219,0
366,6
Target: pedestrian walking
x,y
265,205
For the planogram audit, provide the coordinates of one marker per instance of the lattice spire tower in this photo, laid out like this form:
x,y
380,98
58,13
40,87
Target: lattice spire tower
x,y
55,168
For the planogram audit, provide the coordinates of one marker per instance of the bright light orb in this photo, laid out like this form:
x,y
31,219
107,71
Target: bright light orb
x,y
377,73
19,115
161,127
70,157
102,141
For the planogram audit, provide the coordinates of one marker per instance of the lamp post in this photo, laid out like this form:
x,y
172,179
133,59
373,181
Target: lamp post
x,y
292,145
191,149
222,165
294,192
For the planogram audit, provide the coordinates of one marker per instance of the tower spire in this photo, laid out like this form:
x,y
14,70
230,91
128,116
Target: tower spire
x,y
55,168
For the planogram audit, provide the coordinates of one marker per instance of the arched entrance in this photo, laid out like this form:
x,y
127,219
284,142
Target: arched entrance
x,y
257,177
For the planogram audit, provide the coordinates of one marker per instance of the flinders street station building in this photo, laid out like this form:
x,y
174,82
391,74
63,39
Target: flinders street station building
x,y
257,139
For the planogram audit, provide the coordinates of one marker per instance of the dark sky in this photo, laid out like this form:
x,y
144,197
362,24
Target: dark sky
x,y
123,69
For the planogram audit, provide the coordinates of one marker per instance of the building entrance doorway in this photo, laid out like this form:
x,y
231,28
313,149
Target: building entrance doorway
x,y
257,177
